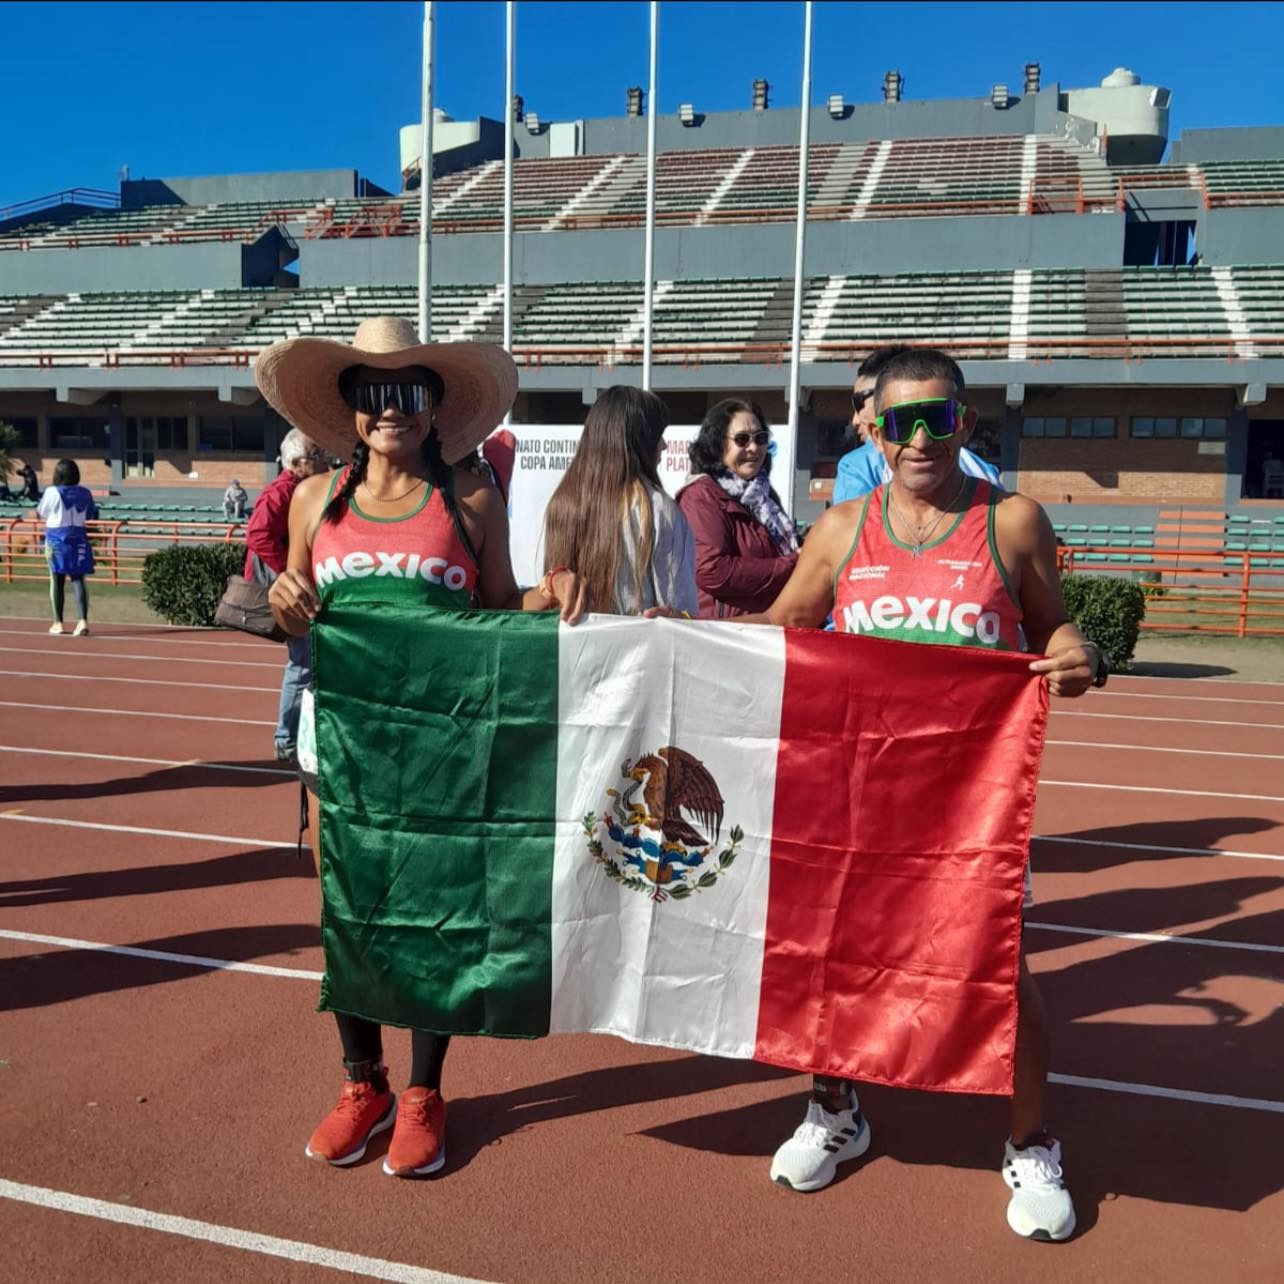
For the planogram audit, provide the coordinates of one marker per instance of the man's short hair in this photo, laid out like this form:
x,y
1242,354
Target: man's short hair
x,y
873,364
918,365
294,445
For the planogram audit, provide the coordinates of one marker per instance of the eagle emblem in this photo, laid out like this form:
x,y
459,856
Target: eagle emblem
x,y
658,832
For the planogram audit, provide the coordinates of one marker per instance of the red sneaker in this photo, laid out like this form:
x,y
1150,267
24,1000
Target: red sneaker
x,y
419,1140
362,1112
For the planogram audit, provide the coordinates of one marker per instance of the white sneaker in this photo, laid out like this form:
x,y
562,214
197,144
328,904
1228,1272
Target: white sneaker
x,y
810,1158
81,629
1040,1207
56,628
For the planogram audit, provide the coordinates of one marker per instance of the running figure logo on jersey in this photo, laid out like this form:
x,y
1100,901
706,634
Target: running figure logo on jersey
x,y
958,583
648,845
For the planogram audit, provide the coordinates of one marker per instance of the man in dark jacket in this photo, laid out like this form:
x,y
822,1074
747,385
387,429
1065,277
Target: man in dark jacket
x,y
267,542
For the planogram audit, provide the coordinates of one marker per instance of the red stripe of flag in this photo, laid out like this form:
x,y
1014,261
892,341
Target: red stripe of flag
x,y
905,788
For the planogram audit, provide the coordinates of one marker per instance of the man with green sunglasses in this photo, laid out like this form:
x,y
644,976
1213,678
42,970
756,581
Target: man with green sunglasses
x,y
939,557
861,470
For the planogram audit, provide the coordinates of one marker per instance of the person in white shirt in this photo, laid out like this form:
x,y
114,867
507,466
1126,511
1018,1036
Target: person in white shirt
x,y
66,506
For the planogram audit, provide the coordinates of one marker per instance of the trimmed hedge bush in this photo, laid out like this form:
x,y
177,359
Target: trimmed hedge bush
x,y
1108,611
184,583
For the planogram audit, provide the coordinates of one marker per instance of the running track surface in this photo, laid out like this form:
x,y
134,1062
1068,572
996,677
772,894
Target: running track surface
x,y
153,1111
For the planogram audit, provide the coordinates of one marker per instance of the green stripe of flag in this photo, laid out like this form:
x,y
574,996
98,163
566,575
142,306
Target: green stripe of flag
x,y
430,919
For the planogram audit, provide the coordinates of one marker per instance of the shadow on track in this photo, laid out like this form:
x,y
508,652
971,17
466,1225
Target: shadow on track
x,y
1197,836
1168,1151
189,776
1178,669
477,1122
61,975
256,865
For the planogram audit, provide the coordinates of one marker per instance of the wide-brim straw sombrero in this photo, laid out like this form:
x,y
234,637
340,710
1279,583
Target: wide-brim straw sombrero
x,y
300,379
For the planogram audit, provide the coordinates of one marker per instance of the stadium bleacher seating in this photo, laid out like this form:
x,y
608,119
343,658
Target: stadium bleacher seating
x,y
902,178
1151,312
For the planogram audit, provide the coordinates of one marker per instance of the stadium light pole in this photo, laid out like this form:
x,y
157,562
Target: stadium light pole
x,y
425,185
648,266
789,447
510,9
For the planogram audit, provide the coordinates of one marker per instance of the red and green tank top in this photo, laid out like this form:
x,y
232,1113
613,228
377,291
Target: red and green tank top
x,y
417,557
954,590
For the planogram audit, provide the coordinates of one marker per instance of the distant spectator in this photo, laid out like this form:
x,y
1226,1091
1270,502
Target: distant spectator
x,y
66,506
267,542
236,502
30,486
746,545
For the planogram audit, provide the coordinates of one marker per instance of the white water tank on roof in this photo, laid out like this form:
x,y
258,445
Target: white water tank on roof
x,y
1132,116
1119,77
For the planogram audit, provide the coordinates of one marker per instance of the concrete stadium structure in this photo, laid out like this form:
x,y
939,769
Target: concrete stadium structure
x,y
1120,318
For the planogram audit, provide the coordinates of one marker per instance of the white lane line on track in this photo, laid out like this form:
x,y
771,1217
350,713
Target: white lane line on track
x,y
117,655
1152,695
161,956
154,833
135,713
100,634
1173,1094
274,842
1155,789
1107,1085
1153,847
1145,678
193,763
1208,942
193,685
1208,753
292,1250
1150,717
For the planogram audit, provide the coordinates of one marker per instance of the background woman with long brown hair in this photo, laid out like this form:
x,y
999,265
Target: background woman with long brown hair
x,y
610,518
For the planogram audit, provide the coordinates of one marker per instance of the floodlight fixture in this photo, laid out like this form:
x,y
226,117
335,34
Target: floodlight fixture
x,y
893,86
999,97
760,91
686,114
837,107
532,122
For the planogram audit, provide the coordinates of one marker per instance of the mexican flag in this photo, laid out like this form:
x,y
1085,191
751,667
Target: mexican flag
x,y
800,847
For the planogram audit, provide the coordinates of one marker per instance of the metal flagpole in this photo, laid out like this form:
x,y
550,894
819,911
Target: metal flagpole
x,y
510,10
788,452
425,186
648,267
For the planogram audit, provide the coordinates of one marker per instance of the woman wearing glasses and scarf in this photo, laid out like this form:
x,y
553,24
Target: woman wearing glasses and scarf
x,y
406,414
746,545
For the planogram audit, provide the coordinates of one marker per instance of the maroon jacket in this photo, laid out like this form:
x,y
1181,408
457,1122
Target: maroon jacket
x,y
738,570
268,530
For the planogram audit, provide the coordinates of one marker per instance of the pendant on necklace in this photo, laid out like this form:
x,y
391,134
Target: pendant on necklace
x,y
916,550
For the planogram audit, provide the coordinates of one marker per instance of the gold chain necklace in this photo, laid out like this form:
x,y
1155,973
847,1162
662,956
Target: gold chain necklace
x,y
392,499
919,534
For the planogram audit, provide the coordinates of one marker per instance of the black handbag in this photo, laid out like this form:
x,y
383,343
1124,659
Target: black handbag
x,y
244,606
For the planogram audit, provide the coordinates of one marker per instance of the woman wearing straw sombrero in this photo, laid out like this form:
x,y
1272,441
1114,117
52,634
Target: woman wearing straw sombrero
x,y
406,413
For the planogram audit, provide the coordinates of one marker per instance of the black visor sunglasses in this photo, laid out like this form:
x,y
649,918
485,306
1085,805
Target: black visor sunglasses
x,y
860,398
372,398
759,438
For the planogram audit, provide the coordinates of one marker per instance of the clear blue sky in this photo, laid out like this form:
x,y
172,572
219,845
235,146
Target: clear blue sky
x,y
181,89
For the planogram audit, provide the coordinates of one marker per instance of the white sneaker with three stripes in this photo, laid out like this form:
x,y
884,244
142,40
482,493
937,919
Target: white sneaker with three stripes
x,y
809,1159
1040,1207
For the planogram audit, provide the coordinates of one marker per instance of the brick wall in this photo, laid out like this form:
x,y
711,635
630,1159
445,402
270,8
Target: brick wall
x,y
1100,468
1123,467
